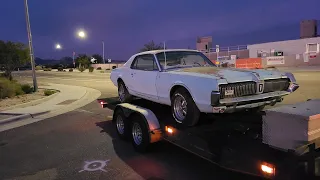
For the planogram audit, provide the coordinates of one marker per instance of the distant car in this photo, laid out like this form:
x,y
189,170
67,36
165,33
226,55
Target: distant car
x,y
190,83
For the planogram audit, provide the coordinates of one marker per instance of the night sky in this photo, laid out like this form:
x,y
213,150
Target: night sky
x,y
125,25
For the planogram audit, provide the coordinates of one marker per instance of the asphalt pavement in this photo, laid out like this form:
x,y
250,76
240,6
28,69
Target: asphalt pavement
x,y
82,144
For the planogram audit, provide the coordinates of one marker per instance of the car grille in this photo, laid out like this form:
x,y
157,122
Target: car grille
x,y
276,85
239,89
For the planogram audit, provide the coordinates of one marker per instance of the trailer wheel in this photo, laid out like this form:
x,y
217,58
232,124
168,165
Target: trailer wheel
x,y
184,109
121,124
140,134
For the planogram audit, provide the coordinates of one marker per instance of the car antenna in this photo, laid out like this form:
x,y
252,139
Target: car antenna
x,y
165,57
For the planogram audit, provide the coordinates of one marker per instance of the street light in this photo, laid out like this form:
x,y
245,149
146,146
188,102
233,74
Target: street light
x,y
103,52
58,46
81,34
35,85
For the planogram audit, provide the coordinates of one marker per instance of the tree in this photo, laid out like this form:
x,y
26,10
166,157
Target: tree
x,y
13,55
82,61
98,57
151,46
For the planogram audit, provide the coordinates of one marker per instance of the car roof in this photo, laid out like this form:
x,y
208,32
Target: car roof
x,y
167,50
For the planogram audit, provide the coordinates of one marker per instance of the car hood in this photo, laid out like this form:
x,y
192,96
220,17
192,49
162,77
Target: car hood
x,y
231,74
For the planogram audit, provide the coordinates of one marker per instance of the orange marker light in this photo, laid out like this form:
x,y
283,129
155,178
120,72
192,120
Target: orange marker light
x,y
169,130
267,168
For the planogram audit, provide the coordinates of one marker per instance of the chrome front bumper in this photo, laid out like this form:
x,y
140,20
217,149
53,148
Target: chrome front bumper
x,y
239,103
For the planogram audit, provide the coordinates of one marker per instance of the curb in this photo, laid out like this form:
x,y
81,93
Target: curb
x,y
20,117
31,103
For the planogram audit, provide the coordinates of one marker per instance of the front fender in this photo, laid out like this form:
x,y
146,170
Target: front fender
x,y
200,89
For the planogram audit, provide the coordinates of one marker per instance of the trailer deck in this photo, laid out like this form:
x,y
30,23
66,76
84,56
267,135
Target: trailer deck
x,y
233,141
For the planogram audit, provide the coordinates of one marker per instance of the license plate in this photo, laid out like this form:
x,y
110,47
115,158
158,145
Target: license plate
x,y
229,92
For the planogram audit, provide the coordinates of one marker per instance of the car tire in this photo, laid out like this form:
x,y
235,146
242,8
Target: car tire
x,y
121,124
139,134
123,93
188,113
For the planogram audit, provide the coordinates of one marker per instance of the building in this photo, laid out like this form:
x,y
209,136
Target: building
x,y
308,29
303,51
285,48
204,43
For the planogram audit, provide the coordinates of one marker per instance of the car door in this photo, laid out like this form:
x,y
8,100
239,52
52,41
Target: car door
x,y
144,71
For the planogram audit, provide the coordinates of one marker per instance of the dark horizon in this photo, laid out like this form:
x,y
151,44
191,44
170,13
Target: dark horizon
x,y
126,26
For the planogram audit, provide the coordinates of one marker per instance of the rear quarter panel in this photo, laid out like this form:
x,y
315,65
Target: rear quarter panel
x,y
114,75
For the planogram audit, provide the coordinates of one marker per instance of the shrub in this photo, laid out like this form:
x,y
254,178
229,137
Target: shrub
x,y
91,69
70,70
102,71
18,90
60,68
81,68
6,88
99,68
26,88
113,67
108,69
47,69
9,89
48,92
38,68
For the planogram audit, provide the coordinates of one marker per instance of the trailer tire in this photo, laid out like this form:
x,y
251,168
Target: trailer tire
x,y
139,134
192,112
122,126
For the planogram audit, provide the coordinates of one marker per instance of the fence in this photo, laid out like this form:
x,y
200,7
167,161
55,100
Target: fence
x,y
225,49
107,66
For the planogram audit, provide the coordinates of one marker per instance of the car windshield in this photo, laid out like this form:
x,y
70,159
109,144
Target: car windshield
x,y
178,59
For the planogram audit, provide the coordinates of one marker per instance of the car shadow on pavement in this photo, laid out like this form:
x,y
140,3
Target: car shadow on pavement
x,y
165,161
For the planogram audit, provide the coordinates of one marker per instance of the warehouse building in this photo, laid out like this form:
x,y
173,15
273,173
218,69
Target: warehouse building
x,y
297,52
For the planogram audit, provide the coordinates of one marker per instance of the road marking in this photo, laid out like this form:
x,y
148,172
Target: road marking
x,y
82,110
96,165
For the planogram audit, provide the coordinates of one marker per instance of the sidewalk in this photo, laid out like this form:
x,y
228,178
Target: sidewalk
x,y
68,99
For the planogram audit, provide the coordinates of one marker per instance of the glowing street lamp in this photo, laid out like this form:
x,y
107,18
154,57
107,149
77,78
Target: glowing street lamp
x,y
58,46
81,34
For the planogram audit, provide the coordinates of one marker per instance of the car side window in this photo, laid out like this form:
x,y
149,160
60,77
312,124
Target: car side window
x,y
144,62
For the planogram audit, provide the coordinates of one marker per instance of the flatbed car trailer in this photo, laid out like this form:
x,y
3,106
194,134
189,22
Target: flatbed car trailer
x,y
232,141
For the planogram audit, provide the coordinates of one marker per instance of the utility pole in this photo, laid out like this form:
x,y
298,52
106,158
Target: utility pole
x,y
35,85
103,52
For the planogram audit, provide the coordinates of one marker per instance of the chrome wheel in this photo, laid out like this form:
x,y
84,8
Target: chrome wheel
x,y
137,133
121,92
180,107
120,124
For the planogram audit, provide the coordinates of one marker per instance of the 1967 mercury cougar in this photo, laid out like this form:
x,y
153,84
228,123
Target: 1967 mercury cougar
x,y
190,83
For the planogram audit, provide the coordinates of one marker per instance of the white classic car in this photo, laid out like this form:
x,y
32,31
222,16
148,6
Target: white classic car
x,y
190,83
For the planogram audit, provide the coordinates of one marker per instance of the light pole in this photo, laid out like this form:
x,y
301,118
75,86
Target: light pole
x,y
35,85
103,52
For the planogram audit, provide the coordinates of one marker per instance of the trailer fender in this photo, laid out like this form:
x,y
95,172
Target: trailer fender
x,y
149,117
